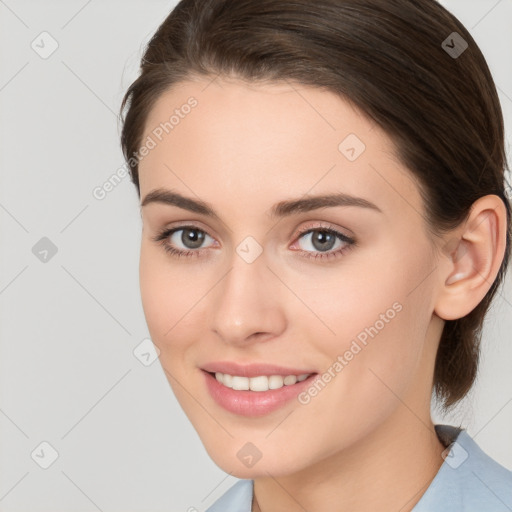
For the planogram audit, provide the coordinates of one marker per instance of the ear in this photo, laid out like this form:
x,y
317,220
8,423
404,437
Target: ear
x,y
471,258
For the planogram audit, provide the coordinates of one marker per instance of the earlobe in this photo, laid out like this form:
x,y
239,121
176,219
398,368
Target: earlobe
x,y
473,258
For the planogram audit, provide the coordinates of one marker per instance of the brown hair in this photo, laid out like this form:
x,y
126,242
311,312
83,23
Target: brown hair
x,y
388,58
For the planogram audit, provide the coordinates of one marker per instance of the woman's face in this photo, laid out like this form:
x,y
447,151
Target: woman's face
x,y
273,283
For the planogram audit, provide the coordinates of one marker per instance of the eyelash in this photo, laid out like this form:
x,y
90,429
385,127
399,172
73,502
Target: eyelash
x,y
163,236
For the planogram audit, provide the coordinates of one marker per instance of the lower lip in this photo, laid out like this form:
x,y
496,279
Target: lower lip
x,y
253,403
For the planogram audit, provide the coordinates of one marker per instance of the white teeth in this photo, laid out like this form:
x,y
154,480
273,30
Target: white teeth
x,y
260,383
240,383
289,380
275,382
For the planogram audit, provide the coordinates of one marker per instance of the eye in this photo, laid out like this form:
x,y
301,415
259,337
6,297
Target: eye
x,y
187,241
327,241
183,241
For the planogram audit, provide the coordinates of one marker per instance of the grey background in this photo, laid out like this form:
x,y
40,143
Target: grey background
x,y
68,326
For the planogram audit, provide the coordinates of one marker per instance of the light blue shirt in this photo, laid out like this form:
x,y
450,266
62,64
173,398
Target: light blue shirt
x,y
467,481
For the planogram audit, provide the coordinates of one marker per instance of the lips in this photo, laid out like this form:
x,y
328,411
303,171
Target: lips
x,y
252,403
254,369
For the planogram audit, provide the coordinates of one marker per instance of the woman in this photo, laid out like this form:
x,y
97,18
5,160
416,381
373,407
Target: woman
x,y
325,225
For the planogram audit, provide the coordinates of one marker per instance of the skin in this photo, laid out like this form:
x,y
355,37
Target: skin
x,y
366,442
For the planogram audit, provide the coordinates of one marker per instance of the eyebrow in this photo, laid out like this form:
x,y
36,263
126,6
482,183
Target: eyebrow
x,y
281,209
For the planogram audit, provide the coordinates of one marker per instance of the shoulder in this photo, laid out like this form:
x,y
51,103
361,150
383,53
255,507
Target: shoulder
x,y
469,480
237,498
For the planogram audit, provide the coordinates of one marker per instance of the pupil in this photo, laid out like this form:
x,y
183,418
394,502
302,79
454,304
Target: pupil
x,y
324,240
192,238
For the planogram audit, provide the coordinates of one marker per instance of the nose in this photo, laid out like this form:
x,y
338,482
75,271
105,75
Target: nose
x,y
246,303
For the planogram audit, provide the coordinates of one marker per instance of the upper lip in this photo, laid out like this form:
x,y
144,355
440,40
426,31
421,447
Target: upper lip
x,y
253,369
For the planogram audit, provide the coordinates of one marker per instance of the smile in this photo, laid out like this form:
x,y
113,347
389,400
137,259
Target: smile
x,y
257,395
259,383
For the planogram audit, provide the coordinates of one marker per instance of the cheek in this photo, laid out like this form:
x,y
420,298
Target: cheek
x,y
378,313
383,289
373,365
170,299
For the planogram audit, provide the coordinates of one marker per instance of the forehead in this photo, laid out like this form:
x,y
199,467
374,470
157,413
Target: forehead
x,y
260,109
264,142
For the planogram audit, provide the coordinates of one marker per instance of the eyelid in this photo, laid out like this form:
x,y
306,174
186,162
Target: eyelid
x,y
321,225
183,224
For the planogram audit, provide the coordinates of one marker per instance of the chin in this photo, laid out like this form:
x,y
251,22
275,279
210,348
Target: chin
x,y
243,460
